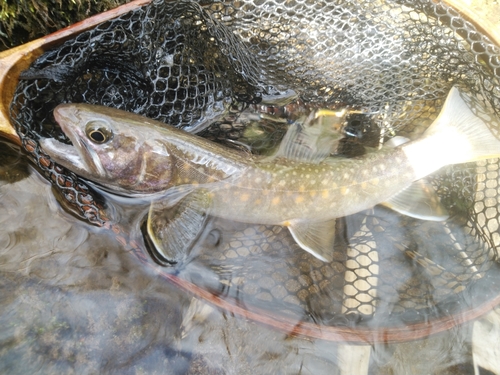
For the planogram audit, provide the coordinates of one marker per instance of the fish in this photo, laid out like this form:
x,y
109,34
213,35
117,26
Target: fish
x,y
301,186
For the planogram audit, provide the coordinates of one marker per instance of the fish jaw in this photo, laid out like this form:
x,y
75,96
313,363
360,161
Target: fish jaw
x,y
62,154
78,157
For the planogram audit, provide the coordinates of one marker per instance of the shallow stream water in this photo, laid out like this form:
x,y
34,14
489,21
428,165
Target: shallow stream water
x,y
75,301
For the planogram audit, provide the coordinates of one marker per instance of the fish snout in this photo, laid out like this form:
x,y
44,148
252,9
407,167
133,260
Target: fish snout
x,y
66,114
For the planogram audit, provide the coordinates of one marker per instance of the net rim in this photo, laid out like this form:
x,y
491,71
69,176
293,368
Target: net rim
x,y
13,61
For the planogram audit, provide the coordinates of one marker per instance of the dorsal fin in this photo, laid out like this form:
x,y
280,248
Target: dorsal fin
x,y
313,138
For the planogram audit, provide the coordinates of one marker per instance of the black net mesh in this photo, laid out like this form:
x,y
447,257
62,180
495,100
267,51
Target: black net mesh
x,y
391,63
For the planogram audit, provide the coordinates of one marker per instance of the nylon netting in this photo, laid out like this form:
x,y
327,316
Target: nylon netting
x,y
391,63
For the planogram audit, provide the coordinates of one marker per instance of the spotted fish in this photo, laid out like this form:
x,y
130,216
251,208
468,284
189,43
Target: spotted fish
x,y
301,186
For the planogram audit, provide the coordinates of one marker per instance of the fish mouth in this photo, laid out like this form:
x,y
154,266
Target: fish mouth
x,y
63,154
79,157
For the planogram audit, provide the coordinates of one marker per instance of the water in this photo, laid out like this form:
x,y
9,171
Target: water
x,y
75,301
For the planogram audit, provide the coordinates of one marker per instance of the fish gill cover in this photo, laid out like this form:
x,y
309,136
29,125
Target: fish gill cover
x,y
186,62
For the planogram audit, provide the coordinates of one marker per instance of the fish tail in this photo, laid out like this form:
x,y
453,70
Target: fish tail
x,y
456,136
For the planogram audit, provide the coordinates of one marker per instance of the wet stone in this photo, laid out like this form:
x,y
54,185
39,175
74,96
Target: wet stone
x,y
231,254
235,244
266,282
251,288
279,277
316,276
314,289
304,280
303,295
316,263
279,292
338,268
304,267
338,256
324,284
293,271
276,245
292,285
415,292
249,232
441,292
292,299
408,304
398,309
243,251
258,249
327,271
264,296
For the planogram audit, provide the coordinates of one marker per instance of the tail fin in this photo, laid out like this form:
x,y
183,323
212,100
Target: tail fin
x,y
465,136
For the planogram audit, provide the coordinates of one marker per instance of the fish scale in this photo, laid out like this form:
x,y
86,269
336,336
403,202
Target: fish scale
x,y
310,189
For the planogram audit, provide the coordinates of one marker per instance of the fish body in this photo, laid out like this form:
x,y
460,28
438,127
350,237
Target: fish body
x,y
300,187
286,191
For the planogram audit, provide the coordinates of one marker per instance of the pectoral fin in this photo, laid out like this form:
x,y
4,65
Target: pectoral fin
x,y
173,229
312,139
420,201
315,237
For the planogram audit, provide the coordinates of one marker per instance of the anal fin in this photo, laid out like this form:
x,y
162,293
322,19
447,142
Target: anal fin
x,y
174,229
316,238
419,200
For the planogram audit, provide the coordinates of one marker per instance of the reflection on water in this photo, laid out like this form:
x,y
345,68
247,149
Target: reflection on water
x,y
74,301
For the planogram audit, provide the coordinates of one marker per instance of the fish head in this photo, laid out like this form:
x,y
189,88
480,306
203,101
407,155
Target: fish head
x,y
114,148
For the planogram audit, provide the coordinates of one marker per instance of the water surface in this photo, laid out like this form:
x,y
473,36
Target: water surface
x,y
75,301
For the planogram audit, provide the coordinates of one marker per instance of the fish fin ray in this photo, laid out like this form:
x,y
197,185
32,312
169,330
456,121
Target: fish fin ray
x,y
474,139
174,229
420,201
317,238
396,141
174,195
311,139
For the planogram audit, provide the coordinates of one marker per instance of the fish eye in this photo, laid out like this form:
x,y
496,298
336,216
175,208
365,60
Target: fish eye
x,y
98,132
